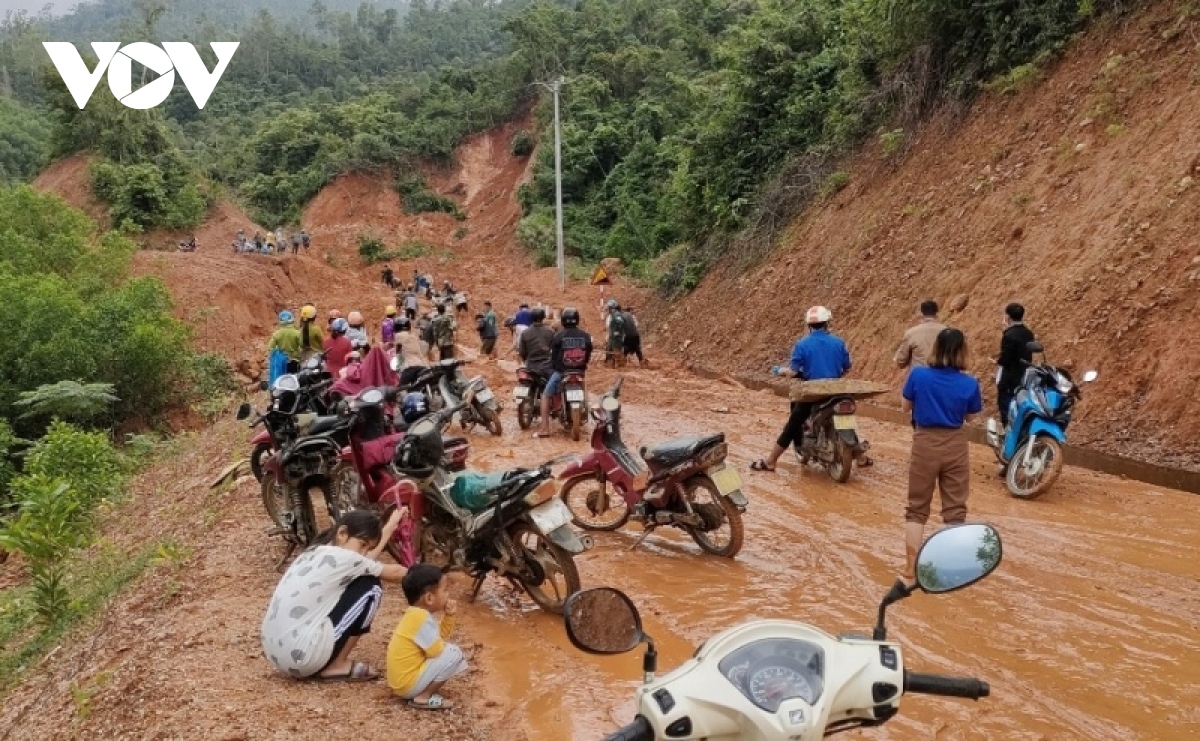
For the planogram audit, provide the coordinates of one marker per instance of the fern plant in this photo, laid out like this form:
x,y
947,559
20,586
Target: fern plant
x,y
68,400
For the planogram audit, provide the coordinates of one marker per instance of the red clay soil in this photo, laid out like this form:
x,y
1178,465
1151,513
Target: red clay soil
x,y
68,178
1077,197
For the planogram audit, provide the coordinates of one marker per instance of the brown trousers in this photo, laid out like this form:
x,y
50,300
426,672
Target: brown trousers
x,y
940,457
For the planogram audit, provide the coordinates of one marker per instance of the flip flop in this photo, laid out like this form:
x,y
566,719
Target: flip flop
x,y
360,671
761,465
542,435
435,702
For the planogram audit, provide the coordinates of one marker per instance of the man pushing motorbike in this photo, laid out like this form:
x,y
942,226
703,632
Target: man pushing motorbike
x,y
818,356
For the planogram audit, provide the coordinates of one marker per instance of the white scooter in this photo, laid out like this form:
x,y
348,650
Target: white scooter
x,y
777,680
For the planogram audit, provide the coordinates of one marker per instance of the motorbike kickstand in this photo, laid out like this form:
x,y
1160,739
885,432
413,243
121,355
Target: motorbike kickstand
x,y
645,534
475,588
286,555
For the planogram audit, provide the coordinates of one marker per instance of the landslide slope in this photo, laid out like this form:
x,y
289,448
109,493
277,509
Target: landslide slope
x,y
1075,195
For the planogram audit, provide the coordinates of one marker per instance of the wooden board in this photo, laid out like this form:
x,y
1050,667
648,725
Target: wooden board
x,y
807,391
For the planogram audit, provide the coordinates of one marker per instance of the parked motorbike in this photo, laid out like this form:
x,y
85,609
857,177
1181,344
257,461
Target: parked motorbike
x,y
1030,450
299,464
687,484
771,680
568,405
366,477
444,384
188,246
832,437
508,523
311,401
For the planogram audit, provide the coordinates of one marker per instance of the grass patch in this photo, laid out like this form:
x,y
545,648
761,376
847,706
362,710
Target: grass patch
x,y
416,198
372,250
1015,80
834,183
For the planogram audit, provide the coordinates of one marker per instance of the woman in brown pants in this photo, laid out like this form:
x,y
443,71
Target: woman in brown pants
x,y
941,398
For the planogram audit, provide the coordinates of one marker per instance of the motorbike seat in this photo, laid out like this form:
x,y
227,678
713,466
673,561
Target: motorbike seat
x,y
321,425
680,449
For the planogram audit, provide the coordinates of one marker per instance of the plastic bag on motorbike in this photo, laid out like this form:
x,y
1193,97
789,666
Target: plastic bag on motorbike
x,y
472,490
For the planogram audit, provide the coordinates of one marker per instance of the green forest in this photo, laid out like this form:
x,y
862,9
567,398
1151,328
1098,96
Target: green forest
x,y
689,126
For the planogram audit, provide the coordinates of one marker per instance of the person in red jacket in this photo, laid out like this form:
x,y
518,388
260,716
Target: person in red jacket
x,y
337,347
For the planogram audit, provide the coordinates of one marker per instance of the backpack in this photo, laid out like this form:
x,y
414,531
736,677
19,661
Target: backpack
x,y
630,326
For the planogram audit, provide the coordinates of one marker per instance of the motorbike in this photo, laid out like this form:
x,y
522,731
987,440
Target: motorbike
x,y
832,437
312,402
1030,450
684,483
568,405
300,463
444,384
507,523
188,246
366,477
777,680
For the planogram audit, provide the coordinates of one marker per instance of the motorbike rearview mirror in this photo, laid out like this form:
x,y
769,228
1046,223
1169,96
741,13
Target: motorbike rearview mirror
x,y
958,556
243,411
604,620
263,385
312,363
610,404
1034,347
1090,375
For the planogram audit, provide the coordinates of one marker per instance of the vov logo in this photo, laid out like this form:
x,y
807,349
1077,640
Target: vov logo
x,y
118,60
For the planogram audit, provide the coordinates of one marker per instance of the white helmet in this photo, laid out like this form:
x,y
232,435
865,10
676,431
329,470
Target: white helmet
x,y
818,315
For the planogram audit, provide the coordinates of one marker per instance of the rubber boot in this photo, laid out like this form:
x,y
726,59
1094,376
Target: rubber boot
x,y
914,533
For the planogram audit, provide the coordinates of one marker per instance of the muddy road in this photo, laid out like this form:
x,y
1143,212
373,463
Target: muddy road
x,y
1087,630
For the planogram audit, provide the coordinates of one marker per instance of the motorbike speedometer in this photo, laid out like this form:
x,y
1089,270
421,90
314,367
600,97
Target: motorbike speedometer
x,y
771,671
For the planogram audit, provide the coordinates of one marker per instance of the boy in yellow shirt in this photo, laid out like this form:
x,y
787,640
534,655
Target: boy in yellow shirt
x,y
419,661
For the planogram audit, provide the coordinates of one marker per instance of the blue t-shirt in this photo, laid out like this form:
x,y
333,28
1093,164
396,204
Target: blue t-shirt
x,y
820,355
942,397
523,317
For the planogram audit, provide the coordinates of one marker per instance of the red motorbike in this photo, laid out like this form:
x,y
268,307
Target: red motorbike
x,y
567,405
366,478
683,483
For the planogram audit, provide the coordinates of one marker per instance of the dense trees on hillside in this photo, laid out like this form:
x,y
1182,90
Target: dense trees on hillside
x,y
684,121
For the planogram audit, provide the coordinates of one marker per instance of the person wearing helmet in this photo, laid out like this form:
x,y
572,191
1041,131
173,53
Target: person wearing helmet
x,y
614,351
536,348
413,407
409,350
570,350
337,347
387,328
312,339
283,350
818,356
334,314
443,329
358,328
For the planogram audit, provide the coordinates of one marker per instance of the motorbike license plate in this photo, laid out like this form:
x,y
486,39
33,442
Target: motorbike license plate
x,y
727,480
549,516
520,392
574,395
844,422
483,396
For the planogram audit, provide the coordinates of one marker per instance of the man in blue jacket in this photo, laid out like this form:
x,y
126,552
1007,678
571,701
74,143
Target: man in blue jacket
x,y
817,356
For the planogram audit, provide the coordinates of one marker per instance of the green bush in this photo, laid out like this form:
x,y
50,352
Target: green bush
x,y
522,144
210,376
417,198
143,195
371,249
86,461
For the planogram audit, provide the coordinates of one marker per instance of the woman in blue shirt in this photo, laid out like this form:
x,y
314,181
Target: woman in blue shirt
x,y
941,398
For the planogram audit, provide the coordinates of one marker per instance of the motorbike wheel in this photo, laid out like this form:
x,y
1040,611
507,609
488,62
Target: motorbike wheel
x,y
707,500
594,505
842,464
428,548
1047,457
491,418
575,422
558,577
256,460
525,414
346,488
275,498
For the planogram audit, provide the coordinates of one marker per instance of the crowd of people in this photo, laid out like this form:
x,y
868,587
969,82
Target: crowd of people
x,y
938,394
273,242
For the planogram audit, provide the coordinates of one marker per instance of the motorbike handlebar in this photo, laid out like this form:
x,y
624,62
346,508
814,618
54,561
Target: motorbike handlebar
x,y
638,730
935,684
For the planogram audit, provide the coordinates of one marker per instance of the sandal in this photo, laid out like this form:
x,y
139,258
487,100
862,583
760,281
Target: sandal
x,y
761,465
435,702
360,671
542,435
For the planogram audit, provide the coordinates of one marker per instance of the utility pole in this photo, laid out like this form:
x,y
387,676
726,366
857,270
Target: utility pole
x,y
554,88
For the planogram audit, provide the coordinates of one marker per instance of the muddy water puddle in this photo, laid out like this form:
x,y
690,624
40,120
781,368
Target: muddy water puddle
x,y
1088,630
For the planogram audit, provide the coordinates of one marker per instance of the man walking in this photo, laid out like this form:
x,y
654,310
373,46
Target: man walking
x,y
443,332
1014,357
916,348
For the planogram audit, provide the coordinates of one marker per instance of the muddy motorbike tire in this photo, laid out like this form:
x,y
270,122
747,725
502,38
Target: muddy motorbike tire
x,y
424,554
491,418
274,498
525,413
256,460
562,559
842,464
575,422
613,497
346,488
737,530
1049,473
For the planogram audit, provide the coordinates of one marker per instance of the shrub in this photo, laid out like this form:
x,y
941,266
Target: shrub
x,y
522,144
371,249
417,198
86,461
69,400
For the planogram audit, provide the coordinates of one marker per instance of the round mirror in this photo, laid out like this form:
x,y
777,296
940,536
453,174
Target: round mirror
x,y
312,363
1089,376
371,397
602,621
395,364
610,404
287,383
422,426
243,411
958,556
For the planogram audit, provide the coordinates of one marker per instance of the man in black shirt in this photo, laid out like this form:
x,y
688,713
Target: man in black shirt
x,y
1014,357
571,351
535,348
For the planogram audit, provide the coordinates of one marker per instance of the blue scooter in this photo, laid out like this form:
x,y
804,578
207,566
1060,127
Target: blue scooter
x,y
1030,450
